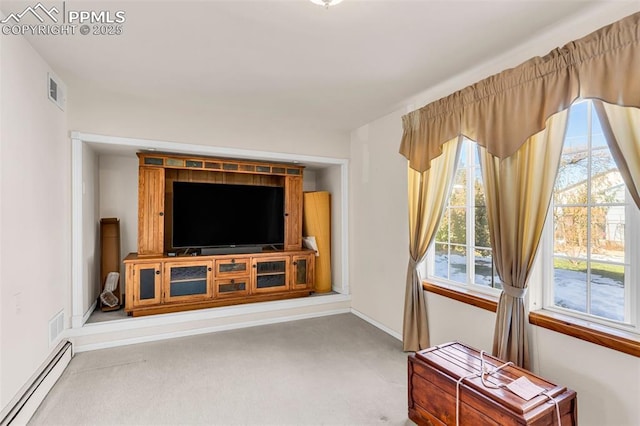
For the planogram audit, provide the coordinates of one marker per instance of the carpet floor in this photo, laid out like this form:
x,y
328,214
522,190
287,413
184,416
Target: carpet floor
x,y
336,370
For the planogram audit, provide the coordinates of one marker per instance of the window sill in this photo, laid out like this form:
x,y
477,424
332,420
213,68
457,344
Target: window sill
x,y
595,333
598,334
474,298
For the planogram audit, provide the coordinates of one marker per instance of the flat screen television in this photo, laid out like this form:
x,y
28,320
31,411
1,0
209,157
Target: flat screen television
x,y
221,215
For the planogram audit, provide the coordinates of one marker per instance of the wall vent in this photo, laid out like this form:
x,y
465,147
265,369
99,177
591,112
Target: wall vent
x,y
57,91
56,326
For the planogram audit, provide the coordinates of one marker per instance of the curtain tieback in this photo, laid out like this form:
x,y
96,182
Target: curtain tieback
x,y
412,263
515,292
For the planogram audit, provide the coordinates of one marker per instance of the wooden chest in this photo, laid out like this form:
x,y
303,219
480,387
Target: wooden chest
x,y
434,394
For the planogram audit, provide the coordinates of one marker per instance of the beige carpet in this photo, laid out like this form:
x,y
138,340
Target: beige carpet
x,y
336,370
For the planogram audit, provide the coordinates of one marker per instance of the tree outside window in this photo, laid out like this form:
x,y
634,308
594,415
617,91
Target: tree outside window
x,y
462,249
589,222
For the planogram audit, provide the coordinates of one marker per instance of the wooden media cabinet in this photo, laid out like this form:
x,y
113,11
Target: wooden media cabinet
x,y
157,282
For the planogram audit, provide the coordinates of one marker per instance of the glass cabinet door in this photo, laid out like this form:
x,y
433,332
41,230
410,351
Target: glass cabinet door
x,y
270,274
147,278
302,272
187,281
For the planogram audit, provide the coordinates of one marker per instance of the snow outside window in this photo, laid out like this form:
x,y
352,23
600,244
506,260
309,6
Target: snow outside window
x,y
461,253
589,258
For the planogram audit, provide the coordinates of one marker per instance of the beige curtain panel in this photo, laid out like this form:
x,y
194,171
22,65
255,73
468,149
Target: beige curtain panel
x,y
621,127
518,192
501,112
428,192
518,117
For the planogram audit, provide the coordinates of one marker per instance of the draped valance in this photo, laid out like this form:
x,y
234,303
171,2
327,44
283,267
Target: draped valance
x,y
502,111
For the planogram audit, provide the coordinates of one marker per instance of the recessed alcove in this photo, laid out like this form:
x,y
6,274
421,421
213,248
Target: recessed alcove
x,y
105,184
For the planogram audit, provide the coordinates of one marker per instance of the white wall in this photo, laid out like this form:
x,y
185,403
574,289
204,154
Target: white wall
x,y
90,227
607,382
118,181
379,247
35,216
309,180
450,320
379,240
195,121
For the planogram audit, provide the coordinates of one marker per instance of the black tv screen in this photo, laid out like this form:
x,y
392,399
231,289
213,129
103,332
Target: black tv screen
x,y
222,215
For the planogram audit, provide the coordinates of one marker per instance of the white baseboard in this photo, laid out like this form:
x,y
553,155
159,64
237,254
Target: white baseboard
x,y
87,314
78,321
20,410
377,324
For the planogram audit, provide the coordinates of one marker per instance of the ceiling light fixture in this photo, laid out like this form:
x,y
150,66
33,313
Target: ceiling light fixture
x,y
326,3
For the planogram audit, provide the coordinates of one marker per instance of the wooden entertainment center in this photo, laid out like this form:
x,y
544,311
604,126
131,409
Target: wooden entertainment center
x,y
161,279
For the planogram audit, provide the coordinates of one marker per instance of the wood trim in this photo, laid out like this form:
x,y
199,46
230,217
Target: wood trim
x,y
293,213
151,183
135,258
214,303
222,164
594,333
608,337
469,297
158,171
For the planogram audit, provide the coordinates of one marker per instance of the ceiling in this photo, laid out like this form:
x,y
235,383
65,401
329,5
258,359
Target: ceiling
x,y
337,68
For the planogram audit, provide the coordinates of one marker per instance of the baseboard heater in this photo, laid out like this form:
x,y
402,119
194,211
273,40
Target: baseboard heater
x,y
29,398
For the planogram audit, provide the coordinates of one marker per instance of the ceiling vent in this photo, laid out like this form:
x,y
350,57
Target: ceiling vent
x,y
57,91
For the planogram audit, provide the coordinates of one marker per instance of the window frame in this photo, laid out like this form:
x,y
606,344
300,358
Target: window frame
x,y
427,268
545,296
632,293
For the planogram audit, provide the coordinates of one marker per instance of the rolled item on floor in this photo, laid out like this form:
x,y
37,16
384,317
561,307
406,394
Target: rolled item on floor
x,y
317,222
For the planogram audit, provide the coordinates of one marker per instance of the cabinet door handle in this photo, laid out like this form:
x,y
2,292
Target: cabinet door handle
x,y
157,272
209,269
295,263
233,261
161,213
233,281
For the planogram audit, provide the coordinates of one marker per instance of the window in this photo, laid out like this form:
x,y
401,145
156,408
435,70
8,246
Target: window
x,y
461,253
590,273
